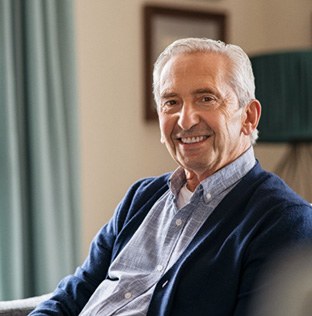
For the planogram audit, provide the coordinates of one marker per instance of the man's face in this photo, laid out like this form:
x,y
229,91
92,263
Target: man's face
x,y
199,115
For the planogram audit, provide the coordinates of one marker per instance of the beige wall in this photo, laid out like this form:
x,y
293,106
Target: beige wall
x,y
117,146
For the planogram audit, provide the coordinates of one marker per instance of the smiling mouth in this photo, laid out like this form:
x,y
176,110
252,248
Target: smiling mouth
x,y
192,140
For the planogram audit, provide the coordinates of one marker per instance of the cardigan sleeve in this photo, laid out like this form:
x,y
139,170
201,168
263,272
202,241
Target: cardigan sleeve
x,y
283,230
73,292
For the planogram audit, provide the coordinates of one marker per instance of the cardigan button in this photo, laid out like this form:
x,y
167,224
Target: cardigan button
x,y
165,283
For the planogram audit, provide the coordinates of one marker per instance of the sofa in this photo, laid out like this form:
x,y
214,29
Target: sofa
x,y
21,307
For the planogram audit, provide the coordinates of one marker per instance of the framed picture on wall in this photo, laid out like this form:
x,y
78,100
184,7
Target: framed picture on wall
x,y
162,25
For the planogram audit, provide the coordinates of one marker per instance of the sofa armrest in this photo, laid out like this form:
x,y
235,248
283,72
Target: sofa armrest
x,y
21,307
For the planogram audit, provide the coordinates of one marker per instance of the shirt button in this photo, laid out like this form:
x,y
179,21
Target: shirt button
x,y
208,196
128,295
179,222
159,267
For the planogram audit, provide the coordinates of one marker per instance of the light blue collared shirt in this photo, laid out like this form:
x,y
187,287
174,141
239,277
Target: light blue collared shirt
x,y
162,237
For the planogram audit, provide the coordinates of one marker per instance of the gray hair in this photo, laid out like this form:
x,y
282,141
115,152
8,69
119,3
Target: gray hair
x,y
241,78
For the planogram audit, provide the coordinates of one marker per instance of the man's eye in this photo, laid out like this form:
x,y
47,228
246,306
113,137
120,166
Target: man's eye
x,y
208,98
170,102
170,106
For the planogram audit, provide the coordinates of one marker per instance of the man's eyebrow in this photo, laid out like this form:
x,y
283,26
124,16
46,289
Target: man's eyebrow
x,y
168,94
202,90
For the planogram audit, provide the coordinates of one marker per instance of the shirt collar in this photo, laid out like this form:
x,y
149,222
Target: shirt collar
x,y
221,180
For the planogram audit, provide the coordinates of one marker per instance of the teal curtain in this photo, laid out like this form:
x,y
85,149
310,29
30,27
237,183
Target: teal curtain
x,y
39,191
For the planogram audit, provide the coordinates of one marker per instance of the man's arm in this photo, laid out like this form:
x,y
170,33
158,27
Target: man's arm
x,y
289,229
74,291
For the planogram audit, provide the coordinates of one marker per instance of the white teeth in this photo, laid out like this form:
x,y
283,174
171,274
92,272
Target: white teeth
x,y
191,140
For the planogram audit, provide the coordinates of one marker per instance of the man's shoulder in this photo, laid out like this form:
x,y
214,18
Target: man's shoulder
x,y
153,181
271,186
140,198
149,186
270,197
146,191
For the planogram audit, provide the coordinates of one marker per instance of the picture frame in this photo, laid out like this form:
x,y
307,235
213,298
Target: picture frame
x,y
161,26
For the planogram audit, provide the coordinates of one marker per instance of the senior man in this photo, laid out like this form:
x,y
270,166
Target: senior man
x,y
192,242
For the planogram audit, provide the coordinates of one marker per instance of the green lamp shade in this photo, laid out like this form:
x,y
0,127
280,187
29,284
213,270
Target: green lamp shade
x,y
284,88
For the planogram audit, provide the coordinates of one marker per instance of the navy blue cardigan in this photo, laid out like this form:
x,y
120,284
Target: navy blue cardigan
x,y
217,273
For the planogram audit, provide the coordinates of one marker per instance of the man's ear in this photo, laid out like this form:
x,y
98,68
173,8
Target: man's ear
x,y
162,138
251,117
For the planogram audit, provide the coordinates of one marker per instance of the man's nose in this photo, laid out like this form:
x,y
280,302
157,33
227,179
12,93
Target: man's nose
x,y
188,117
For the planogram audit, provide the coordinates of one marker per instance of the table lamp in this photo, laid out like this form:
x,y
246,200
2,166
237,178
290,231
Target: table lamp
x,y
284,88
